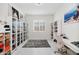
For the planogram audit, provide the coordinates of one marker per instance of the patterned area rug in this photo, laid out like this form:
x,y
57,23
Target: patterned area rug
x,y
36,44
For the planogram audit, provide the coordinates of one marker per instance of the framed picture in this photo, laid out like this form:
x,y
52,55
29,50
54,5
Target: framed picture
x,y
72,16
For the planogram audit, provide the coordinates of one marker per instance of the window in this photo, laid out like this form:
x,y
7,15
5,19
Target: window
x,y
39,25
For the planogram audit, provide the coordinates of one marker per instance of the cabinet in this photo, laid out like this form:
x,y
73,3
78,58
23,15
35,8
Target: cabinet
x,y
12,29
5,47
69,51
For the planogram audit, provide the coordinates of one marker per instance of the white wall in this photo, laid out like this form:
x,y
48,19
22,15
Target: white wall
x,y
71,30
39,35
3,11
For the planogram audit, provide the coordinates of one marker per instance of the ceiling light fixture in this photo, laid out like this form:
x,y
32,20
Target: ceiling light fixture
x,y
38,4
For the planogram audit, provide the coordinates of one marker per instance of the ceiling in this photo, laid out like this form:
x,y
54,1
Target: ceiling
x,y
38,8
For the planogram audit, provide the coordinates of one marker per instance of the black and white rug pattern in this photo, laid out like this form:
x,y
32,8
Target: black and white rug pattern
x,y
37,44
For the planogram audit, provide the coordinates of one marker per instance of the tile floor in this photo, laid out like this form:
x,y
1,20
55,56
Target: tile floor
x,y
36,51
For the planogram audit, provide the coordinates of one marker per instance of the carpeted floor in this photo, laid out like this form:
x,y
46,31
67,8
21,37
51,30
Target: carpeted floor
x,y
37,44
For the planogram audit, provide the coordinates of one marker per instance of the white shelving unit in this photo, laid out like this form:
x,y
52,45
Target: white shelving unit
x,y
18,21
18,33
7,40
14,34
25,31
5,48
2,39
